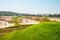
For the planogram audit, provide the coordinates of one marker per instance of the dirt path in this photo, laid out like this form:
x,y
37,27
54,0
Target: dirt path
x,y
7,30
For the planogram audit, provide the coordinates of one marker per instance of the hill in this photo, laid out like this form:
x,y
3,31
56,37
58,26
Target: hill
x,y
41,31
8,13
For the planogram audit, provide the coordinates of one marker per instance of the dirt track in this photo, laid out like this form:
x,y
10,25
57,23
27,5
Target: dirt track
x,y
7,30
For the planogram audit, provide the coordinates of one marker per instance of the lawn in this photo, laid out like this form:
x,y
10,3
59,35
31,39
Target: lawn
x,y
41,31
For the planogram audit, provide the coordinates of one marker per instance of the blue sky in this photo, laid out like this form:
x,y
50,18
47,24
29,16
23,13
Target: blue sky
x,y
31,6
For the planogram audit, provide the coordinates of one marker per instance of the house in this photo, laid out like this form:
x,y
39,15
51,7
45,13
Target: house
x,y
28,21
4,24
6,18
54,19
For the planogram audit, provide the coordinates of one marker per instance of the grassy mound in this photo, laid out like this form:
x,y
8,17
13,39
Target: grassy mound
x,y
42,31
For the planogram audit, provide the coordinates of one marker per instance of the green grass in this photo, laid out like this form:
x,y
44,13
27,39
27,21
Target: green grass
x,y
41,31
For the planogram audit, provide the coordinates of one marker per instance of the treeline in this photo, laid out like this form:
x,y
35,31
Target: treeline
x,y
8,13
47,15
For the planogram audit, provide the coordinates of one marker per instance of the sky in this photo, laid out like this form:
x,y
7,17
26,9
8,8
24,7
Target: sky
x,y
31,6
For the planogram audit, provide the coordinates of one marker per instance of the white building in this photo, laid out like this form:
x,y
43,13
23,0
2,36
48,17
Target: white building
x,y
4,24
54,19
28,21
6,17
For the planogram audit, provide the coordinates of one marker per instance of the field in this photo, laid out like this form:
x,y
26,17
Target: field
x,y
41,31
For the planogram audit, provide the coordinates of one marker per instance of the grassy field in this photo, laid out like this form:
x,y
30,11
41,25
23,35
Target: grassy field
x,y
41,31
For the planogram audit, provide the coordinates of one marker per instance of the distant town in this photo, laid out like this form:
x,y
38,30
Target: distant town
x,y
9,21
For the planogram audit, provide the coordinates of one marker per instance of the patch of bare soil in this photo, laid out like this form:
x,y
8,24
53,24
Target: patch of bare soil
x,y
10,29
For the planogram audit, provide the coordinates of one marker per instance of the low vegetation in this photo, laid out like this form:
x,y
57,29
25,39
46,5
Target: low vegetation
x,y
41,31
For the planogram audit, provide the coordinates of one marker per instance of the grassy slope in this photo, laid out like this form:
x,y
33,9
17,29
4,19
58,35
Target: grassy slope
x,y
42,31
